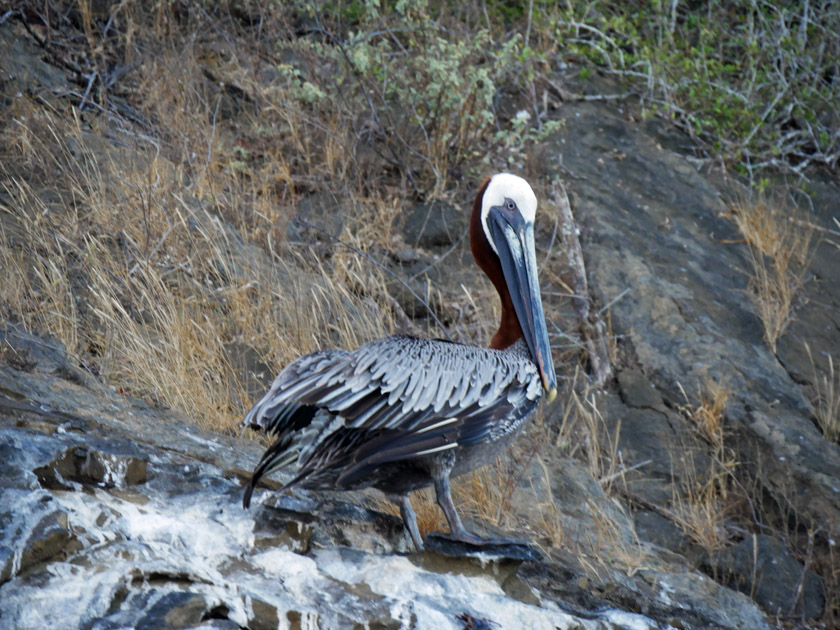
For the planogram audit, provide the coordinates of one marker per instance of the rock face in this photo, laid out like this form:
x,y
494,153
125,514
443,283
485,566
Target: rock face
x,y
118,515
762,567
676,275
435,224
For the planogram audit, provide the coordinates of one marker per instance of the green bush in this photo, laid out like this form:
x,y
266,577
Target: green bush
x,y
424,88
756,81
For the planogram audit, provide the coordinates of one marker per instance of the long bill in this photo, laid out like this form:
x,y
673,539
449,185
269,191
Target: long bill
x,y
513,237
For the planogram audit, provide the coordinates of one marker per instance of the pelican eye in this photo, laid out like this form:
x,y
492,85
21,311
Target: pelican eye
x,y
510,205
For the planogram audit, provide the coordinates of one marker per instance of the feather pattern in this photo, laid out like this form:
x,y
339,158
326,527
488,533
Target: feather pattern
x,y
341,414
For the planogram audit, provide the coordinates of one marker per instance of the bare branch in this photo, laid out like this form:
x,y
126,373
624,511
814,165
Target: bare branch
x,y
592,328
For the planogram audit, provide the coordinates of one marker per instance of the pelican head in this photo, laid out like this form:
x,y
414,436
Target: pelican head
x,y
503,221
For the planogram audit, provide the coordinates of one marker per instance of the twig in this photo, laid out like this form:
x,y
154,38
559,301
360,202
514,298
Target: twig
x,y
91,79
575,343
609,304
442,257
530,18
210,140
797,595
565,95
154,250
7,405
623,471
592,328
551,242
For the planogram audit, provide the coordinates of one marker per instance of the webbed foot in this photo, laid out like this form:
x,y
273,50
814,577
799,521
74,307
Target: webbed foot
x,y
465,544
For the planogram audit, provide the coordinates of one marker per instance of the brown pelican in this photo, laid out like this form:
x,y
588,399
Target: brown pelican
x,y
402,413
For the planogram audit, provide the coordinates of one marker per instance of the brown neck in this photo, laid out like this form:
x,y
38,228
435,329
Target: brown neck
x,y
509,328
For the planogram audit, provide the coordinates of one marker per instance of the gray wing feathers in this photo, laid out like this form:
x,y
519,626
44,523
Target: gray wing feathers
x,y
418,373
400,383
295,379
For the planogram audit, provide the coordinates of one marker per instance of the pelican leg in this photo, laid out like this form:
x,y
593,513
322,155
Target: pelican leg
x,y
409,518
457,531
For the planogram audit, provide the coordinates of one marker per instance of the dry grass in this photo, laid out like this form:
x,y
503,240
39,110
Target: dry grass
x,y
780,248
612,547
485,498
584,431
700,506
483,495
587,435
112,254
702,500
158,253
548,522
515,494
153,232
708,414
826,398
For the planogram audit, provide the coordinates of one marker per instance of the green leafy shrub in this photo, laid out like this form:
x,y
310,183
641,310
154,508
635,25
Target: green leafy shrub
x,y
757,82
420,92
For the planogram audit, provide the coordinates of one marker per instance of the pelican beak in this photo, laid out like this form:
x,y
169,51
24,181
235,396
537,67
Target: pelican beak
x,y
513,238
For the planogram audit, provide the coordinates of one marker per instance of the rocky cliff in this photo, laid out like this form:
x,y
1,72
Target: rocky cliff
x,y
118,515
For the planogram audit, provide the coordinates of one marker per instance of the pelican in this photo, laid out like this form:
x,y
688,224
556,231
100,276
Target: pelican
x,y
402,413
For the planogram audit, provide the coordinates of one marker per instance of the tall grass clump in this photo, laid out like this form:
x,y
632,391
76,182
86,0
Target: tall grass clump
x,y
826,397
703,500
779,252
108,251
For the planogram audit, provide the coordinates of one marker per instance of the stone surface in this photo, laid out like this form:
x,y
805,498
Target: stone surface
x,y
507,550
318,217
652,225
762,567
435,224
125,516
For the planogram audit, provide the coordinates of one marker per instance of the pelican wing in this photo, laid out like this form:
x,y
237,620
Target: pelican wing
x,y
398,382
394,398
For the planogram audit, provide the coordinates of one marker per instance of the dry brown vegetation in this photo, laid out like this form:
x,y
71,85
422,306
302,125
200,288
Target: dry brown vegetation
x,y
129,268
826,398
703,500
779,249
483,495
151,227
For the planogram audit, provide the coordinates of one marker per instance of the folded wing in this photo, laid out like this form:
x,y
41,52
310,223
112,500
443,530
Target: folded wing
x,y
393,399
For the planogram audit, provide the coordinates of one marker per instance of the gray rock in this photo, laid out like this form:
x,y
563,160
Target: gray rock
x,y
174,611
265,616
435,224
83,465
122,515
637,391
653,225
317,217
698,595
34,530
514,550
677,597
653,527
762,567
